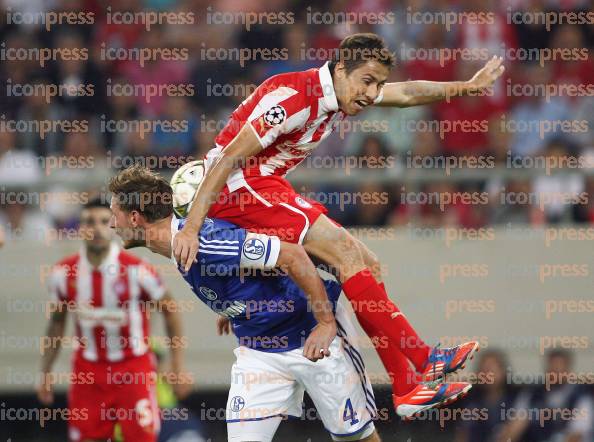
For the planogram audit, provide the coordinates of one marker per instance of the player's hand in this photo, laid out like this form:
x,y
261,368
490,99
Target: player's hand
x,y
45,390
223,326
317,344
487,75
185,247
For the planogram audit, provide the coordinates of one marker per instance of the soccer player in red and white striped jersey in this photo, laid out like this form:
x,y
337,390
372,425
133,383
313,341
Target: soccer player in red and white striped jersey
x,y
111,293
274,130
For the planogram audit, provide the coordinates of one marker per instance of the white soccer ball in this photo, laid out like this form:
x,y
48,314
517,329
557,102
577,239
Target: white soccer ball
x,y
184,183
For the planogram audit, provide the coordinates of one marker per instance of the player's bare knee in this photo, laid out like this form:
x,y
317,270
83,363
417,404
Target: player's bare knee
x,y
349,257
342,251
336,246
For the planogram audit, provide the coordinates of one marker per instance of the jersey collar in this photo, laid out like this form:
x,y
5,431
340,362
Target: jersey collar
x,y
329,101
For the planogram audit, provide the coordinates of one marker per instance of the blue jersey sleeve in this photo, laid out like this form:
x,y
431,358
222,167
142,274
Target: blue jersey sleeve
x,y
219,249
224,248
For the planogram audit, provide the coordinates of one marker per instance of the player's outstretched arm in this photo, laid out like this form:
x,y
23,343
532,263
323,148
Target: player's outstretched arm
x,y
243,146
294,260
50,348
415,93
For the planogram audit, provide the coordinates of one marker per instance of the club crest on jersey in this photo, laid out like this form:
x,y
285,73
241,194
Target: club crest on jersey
x,y
253,249
275,115
237,403
302,203
208,293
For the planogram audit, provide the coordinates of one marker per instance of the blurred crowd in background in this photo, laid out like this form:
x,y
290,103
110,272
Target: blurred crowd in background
x,y
401,140
398,137
506,412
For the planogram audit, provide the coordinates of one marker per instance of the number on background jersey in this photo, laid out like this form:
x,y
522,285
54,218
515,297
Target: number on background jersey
x,y
144,413
349,413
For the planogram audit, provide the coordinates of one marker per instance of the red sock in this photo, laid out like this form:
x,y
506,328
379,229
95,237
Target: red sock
x,y
402,376
373,307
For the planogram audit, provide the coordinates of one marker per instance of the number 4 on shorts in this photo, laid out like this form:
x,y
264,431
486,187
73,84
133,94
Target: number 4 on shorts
x,y
349,413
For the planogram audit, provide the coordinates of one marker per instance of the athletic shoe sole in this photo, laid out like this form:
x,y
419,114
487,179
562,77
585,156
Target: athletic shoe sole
x,y
408,412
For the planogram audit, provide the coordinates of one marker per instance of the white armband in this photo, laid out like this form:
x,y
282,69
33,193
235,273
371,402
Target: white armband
x,y
259,251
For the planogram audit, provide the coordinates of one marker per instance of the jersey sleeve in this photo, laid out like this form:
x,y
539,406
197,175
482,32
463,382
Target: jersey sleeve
x,y
278,108
223,250
151,282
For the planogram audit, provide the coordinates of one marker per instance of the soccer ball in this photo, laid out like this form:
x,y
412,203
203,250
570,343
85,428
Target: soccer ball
x,y
184,183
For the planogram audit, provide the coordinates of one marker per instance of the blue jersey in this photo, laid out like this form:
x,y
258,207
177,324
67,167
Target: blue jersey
x,y
236,277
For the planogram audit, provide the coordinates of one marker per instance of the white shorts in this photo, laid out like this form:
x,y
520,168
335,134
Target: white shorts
x,y
268,385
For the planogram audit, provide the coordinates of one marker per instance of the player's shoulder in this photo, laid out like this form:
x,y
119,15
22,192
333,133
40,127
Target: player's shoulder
x,y
304,82
61,270
128,258
221,230
66,262
291,79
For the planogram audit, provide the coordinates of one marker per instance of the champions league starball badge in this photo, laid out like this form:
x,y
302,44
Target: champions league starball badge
x,y
275,115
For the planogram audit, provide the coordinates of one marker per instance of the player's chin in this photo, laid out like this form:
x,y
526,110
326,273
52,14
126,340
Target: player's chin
x,y
353,109
98,244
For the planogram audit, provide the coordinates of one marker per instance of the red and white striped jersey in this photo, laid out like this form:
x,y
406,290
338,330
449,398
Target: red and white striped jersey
x,y
290,114
109,303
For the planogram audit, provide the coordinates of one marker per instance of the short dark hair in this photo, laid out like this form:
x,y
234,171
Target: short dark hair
x,y
139,188
358,49
494,353
95,202
562,353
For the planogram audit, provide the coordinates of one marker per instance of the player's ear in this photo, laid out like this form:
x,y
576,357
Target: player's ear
x,y
340,70
136,218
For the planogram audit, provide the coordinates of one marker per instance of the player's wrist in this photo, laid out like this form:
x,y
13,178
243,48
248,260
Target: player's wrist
x,y
323,313
468,87
327,321
190,228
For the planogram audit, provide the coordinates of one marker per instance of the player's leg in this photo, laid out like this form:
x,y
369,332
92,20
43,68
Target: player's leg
x,y
440,361
403,378
338,385
253,431
88,404
375,311
359,271
91,424
261,395
138,412
270,205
